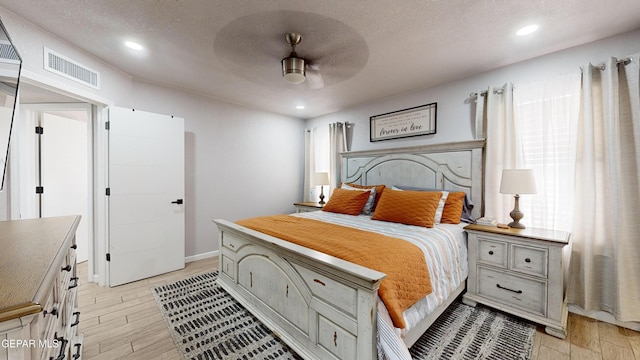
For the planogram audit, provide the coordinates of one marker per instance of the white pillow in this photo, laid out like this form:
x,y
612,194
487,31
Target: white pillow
x,y
440,208
370,202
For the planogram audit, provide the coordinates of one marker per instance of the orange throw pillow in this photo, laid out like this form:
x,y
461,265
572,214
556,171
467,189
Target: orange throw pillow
x,y
379,190
348,202
452,211
408,207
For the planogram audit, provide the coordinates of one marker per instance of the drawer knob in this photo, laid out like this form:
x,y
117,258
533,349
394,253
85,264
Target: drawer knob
x,y
527,260
66,268
77,315
63,347
504,288
77,354
74,246
53,311
75,282
490,252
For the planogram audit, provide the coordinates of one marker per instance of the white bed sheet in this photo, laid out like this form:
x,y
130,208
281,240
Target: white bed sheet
x,y
445,250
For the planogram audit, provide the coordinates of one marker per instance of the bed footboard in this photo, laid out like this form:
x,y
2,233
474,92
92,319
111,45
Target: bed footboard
x,y
322,307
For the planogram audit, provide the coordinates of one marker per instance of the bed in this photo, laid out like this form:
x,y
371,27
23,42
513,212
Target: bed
x,y
324,307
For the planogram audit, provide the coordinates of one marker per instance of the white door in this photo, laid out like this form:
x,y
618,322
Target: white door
x,y
146,186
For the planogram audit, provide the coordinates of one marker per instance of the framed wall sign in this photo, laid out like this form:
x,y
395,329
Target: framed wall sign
x,y
416,121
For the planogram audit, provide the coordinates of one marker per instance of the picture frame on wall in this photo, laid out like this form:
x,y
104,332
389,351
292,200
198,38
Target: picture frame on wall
x,y
415,121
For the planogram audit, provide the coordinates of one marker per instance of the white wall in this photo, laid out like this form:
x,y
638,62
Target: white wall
x,y
455,117
29,40
240,162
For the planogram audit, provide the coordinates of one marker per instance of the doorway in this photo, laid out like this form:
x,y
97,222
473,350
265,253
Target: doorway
x,y
55,165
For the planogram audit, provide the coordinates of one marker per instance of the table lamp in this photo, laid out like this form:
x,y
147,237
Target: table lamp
x,y
321,178
517,181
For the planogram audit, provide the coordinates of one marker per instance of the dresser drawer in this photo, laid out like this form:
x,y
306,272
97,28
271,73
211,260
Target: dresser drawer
x,y
524,293
492,252
529,260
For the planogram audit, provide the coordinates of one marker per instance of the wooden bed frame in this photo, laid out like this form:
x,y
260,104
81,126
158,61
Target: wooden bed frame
x,y
321,306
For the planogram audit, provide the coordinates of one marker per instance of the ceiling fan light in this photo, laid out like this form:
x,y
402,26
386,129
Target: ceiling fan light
x,y
293,70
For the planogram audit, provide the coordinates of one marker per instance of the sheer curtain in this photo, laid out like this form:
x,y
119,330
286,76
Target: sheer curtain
x,y
546,114
337,144
605,267
309,164
500,150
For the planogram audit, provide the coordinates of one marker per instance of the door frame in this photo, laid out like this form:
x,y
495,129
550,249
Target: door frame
x,y
98,173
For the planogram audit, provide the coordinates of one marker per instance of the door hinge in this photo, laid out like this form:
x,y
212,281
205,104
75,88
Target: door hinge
x,y
107,125
39,189
108,257
39,130
107,192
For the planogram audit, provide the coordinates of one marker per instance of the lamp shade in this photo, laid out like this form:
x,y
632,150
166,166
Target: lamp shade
x,y
321,178
518,181
293,70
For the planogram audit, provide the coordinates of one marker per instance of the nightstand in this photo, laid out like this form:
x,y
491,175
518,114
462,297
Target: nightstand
x,y
522,272
307,206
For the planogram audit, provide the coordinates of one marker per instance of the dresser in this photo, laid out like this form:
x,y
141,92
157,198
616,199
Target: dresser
x,y
522,272
307,206
38,290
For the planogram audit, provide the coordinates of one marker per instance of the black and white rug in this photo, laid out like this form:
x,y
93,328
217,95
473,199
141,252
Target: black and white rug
x,y
207,323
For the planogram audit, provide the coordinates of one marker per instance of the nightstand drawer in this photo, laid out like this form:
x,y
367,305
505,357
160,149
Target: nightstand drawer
x,y
492,252
527,294
529,260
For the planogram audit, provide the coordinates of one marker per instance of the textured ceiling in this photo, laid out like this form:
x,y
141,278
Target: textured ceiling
x,y
363,50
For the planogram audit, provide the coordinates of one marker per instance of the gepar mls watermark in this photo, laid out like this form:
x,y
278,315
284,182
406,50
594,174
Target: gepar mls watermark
x,y
29,343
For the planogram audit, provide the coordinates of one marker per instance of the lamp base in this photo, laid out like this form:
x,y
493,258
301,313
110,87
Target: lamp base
x,y
516,215
321,202
516,225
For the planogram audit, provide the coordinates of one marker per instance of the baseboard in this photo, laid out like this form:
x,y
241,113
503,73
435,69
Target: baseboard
x,y
605,317
207,255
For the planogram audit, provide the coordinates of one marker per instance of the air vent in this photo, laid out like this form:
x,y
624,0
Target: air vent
x,y
8,52
70,69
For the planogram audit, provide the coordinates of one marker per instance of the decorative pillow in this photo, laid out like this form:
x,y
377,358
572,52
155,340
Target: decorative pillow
x,y
467,205
368,207
346,201
453,208
408,207
443,200
379,190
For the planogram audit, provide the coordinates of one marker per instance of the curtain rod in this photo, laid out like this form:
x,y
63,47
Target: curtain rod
x,y
474,95
623,62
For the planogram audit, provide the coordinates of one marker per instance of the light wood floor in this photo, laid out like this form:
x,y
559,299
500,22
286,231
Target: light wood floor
x,y
125,323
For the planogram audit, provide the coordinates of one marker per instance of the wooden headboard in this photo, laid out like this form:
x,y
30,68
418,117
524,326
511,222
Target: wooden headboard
x,y
454,166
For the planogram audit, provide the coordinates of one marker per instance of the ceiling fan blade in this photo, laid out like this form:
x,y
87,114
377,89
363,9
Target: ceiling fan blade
x,y
314,78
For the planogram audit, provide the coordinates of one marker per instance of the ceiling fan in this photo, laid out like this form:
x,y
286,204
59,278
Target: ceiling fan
x,y
296,70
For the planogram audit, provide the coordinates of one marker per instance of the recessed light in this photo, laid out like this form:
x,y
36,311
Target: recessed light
x,y
133,45
300,107
527,30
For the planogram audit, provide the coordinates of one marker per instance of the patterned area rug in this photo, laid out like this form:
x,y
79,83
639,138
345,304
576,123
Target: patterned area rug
x,y
207,323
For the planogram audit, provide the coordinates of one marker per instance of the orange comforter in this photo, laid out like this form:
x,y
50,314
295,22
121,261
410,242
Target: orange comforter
x,y
407,278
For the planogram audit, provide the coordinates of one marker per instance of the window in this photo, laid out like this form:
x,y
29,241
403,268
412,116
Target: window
x,y
546,115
